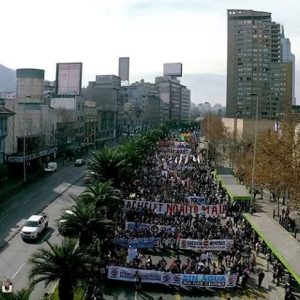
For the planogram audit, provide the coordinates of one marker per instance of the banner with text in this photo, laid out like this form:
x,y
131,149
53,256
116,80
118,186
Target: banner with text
x,y
151,276
138,242
205,245
172,208
154,228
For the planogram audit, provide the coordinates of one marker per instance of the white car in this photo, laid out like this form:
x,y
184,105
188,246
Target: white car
x,y
34,226
51,167
79,162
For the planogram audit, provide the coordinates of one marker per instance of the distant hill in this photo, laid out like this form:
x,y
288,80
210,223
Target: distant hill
x,y
7,79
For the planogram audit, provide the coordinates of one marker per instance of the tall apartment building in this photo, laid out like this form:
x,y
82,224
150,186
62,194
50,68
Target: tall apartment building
x,y
256,71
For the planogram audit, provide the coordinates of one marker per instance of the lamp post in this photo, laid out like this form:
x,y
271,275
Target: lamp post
x,y
254,151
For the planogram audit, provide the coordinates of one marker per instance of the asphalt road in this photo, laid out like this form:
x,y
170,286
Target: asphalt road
x,y
51,195
34,198
128,292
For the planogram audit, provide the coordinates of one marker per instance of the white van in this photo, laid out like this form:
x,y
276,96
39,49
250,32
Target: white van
x,y
51,167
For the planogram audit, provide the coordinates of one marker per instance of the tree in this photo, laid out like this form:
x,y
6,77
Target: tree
x,y
85,222
109,165
215,132
103,195
64,263
277,165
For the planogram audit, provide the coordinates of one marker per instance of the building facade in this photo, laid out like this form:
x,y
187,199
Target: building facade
x,y
255,71
141,107
105,92
29,131
176,98
4,115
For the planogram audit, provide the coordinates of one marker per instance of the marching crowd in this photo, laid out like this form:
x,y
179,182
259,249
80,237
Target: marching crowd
x,y
176,174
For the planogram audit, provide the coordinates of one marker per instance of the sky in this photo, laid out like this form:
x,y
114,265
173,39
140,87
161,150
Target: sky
x,y
38,34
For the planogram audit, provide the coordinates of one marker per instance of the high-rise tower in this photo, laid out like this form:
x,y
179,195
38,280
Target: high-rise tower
x,y
255,67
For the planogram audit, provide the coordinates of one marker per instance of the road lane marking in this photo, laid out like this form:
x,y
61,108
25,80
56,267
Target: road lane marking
x,y
26,201
18,270
177,296
3,217
135,295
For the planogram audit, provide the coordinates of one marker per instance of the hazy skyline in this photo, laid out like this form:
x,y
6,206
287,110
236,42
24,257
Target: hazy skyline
x,y
98,32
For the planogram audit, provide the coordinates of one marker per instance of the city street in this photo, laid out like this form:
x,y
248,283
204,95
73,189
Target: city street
x,y
14,257
128,293
35,197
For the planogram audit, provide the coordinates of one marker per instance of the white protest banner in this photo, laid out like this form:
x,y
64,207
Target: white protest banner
x,y
182,208
147,276
154,228
151,276
204,280
205,245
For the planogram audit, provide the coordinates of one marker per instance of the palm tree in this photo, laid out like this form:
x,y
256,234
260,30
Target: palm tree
x,y
85,222
67,264
109,164
104,196
23,294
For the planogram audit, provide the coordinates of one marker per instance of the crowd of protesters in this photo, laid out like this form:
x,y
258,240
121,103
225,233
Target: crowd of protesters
x,y
173,174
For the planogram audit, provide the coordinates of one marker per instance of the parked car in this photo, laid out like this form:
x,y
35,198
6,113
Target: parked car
x,y
79,162
51,167
34,226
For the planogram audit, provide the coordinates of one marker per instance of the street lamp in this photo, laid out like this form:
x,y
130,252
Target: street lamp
x,y
254,151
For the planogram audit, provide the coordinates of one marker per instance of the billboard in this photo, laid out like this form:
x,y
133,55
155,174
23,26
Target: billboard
x,y
173,69
124,68
68,78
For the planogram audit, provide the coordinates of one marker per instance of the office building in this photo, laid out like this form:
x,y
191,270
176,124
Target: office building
x,y
105,92
176,99
141,108
257,71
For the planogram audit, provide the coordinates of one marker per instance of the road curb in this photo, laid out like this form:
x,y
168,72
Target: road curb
x,y
3,244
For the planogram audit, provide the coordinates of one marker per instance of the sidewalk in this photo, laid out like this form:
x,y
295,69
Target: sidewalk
x,y
268,290
267,206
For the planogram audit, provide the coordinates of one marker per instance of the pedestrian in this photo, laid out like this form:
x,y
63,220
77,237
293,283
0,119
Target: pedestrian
x,y
253,262
268,260
245,278
257,248
138,281
261,276
289,295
